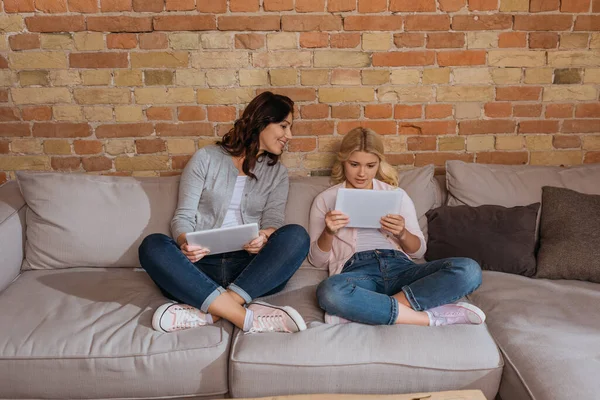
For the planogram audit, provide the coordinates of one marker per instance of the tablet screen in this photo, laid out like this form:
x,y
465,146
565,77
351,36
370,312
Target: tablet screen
x,y
224,240
366,207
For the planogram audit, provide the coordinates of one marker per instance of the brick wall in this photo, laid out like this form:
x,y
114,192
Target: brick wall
x,y
136,86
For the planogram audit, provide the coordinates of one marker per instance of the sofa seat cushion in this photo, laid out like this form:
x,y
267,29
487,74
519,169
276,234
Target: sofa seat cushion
x,y
86,333
548,333
356,358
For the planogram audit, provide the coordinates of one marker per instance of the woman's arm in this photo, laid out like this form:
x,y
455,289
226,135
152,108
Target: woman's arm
x,y
274,212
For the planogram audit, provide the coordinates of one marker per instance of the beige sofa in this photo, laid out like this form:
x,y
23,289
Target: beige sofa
x,y
76,313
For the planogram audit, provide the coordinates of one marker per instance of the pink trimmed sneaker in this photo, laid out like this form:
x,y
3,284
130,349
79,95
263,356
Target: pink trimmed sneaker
x,y
459,313
335,320
172,317
270,318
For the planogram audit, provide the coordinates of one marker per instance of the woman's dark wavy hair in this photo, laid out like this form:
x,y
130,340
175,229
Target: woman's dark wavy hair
x,y
243,138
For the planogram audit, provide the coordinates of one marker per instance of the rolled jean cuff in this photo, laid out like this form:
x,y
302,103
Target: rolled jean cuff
x,y
239,291
395,311
411,299
211,297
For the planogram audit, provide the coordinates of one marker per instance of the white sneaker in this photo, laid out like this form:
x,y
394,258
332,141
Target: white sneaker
x,y
270,318
335,320
175,317
458,313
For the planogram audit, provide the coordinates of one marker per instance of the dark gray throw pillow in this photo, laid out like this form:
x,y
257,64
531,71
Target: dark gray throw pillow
x,y
498,238
569,235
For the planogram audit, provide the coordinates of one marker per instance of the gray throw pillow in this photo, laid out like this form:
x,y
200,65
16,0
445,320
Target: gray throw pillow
x,y
498,238
569,235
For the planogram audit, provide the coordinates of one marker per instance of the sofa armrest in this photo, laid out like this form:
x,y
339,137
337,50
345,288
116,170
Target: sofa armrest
x,y
12,232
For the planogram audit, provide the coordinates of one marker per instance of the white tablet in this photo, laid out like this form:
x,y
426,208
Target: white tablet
x,y
224,240
366,207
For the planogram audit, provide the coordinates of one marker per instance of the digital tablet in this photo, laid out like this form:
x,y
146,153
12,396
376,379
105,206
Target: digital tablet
x,y
366,207
224,240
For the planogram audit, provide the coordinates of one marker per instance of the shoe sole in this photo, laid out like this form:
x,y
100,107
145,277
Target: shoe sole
x,y
295,315
158,314
474,309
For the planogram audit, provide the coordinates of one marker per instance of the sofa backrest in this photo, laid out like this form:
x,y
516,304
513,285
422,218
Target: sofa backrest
x,y
12,232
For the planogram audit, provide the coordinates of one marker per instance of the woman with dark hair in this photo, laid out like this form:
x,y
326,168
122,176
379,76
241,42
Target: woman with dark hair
x,y
237,181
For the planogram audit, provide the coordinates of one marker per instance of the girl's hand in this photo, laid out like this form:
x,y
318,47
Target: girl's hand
x,y
194,253
335,220
394,224
257,244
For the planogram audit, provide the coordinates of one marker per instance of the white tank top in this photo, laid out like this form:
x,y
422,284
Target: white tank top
x,y
234,211
371,239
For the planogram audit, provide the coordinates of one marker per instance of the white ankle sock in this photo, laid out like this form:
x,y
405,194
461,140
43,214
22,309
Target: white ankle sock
x,y
248,320
430,318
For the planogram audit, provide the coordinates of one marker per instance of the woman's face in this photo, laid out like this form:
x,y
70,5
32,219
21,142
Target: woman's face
x,y
360,169
275,136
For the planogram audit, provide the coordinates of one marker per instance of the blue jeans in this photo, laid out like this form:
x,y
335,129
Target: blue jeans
x,y
249,275
363,291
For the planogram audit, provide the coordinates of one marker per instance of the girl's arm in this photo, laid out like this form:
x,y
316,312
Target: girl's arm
x,y
412,240
316,227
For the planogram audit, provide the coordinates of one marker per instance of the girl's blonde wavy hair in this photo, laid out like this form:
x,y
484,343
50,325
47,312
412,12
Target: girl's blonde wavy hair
x,y
366,140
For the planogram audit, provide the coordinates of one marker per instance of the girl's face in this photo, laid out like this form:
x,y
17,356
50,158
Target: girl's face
x,y
275,136
360,169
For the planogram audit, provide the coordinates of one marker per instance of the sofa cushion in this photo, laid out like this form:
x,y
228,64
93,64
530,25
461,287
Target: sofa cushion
x,y
548,333
498,238
86,333
77,220
12,232
569,235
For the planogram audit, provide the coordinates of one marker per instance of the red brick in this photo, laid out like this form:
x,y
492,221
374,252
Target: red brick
x,y
222,129
478,127
244,5
543,40
372,6
427,23
400,159
439,158
445,40
212,6
191,113
512,39
452,5
403,58
438,111
378,111
83,6
314,39
121,41
180,5
347,111
373,23
4,146
3,62
466,57
98,60
591,110
344,40
527,110
313,128
278,5
592,157
544,5
587,23
185,129
428,128
310,5
302,144
3,177
61,130
596,6
149,146
15,6
258,23
566,142
25,41
251,41
483,5
159,113
179,162
314,111
119,24
123,130
65,163
408,112
409,40
298,94
481,22
3,95
51,6
559,111
381,127
221,113
575,6
98,163
9,114
503,157
581,126
538,126
518,93
148,5
15,129
71,23
543,22
115,5
498,110
87,146
341,5
37,113
413,5
154,40
185,23
421,143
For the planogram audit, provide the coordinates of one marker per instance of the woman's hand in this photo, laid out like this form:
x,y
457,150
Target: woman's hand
x,y
258,243
394,224
335,220
194,253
